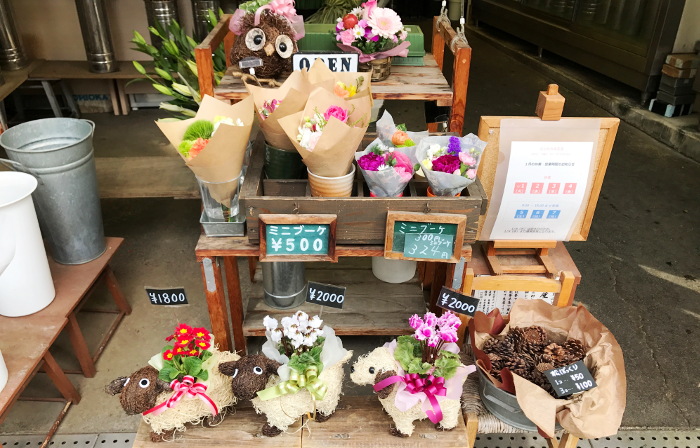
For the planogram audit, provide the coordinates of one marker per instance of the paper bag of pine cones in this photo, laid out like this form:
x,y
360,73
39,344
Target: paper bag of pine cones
x,y
514,351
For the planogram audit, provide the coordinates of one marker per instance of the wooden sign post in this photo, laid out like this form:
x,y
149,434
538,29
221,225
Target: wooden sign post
x,y
424,237
297,237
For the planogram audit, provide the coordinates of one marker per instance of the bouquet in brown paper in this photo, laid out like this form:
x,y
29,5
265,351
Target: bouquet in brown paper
x,y
569,333
343,84
213,144
272,104
328,132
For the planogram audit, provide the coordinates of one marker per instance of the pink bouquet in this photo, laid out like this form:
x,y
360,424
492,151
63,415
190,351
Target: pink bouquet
x,y
449,163
372,32
387,170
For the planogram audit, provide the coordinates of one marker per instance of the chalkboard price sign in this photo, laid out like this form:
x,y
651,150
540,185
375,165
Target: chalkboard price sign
x,y
421,236
428,245
570,379
326,295
456,302
297,237
171,296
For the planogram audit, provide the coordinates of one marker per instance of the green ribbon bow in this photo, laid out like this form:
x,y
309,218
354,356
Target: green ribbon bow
x,y
297,381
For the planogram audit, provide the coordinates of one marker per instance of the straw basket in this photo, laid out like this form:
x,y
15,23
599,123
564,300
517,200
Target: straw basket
x,y
381,68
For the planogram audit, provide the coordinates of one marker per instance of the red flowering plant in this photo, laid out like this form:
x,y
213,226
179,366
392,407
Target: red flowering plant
x,y
449,163
386,170
185,356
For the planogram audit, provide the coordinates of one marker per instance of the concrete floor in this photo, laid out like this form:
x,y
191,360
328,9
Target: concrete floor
x,y
639,265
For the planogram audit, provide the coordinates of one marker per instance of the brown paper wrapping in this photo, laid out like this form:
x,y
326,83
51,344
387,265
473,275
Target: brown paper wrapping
x,y
319,75
222,159
293,94
336,148
592,414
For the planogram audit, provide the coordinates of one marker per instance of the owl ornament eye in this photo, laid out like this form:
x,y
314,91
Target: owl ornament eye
x,y
255,39
284,46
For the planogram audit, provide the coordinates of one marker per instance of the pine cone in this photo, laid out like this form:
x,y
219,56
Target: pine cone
x,y
555,354
575,349
535,335
516,338
518,365
543,366
540,379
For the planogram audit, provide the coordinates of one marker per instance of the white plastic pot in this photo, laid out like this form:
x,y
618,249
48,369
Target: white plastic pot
x,y
26,285
393,271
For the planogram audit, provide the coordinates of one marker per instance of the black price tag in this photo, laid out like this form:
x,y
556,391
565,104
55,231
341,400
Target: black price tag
x,y
326,295
170,296
456,302
570,379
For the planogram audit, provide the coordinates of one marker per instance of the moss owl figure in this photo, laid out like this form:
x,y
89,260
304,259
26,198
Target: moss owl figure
x,y
271,40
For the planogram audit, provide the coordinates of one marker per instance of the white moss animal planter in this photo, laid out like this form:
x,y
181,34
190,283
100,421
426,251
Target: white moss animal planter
x,y
434,393
284,387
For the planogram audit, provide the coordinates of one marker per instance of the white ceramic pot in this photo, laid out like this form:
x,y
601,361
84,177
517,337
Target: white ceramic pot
x,y
393,271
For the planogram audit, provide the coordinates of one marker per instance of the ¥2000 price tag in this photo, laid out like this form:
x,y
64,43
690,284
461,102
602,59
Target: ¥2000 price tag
x,y
326,295
170,296
570,379
456,302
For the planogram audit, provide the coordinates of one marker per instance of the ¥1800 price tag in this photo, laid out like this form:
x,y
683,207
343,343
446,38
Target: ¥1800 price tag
x,y
326,295
570,379
171,296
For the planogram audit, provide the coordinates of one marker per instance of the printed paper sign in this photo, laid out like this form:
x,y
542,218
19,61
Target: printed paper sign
x,y
336,62
544,190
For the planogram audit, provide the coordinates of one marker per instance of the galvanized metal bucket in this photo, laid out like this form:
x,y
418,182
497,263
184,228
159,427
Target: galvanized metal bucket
x,y
284,284
58,152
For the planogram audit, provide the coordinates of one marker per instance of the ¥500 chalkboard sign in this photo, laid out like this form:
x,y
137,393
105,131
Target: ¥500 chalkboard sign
x,y
326,295
570,379
297,237
422,236
170,296
456,302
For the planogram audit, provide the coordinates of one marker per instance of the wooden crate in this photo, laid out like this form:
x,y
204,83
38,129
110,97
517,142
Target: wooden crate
x,y
361,218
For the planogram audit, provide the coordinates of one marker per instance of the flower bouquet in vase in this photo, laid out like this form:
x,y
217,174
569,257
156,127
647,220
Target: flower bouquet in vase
x,y
376,34
418,376
299,372
387,170
213,145
326,134
449,163
282,161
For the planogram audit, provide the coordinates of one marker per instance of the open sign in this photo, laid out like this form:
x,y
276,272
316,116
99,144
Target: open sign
x,y
336,62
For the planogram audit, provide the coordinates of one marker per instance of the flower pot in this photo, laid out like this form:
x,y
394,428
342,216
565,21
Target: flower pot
x,y
429,193
283,164
284,284
381,68
393,271
332,187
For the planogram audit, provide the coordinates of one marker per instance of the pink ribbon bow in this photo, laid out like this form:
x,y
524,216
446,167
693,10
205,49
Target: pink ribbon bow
x,y
181,388
432,386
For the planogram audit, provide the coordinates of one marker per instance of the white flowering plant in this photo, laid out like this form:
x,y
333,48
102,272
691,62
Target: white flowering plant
x,y
299,338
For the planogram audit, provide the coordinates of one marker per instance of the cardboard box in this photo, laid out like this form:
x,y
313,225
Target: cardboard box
x,y
675,100
683,60
679,73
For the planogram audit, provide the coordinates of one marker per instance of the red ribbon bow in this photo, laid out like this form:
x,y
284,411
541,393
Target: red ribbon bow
x,y
431,386
181,388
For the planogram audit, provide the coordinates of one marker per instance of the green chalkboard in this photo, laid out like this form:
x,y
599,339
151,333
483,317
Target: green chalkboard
x,y
402,228
297,239
432,246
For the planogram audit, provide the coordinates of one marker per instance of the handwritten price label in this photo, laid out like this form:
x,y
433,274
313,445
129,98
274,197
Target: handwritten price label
x,y
570,379
172,296
325,295
456,302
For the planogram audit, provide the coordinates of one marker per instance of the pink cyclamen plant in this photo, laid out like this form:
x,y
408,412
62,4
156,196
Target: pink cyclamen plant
x,y
433,332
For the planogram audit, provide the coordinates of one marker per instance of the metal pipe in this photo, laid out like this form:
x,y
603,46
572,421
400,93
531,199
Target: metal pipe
x,y
200,13
160,13
94,25
12,55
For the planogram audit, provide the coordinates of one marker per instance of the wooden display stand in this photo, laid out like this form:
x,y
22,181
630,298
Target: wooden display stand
x,y
524,265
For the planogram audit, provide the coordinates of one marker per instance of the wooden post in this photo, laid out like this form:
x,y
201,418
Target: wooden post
x,y
550,104
235,301
211,275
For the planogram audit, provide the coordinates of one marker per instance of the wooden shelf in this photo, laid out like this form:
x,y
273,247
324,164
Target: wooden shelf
x,y
371,307
15,79
358,421
426,83
81,70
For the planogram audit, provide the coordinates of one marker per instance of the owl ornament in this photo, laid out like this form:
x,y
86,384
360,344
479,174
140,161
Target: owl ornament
x,y
266,35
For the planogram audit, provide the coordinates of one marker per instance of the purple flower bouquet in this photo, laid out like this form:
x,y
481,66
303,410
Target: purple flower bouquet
x,y
386,170
449,163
